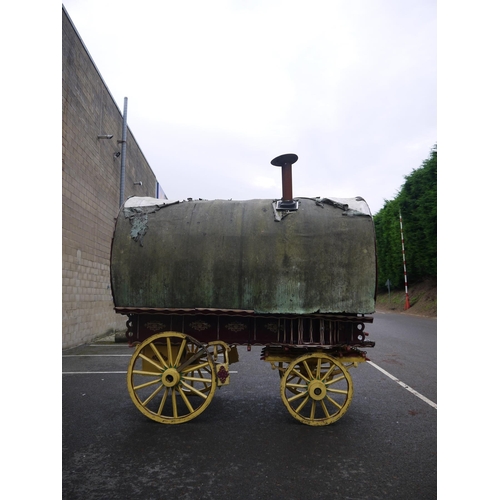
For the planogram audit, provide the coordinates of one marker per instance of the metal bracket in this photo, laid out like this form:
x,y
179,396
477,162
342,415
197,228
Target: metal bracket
x,y
287,205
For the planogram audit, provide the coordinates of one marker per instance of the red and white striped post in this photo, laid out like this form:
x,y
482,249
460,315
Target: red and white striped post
x,y
407,299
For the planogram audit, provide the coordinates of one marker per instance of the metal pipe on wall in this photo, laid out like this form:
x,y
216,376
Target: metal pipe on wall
x,y
124,151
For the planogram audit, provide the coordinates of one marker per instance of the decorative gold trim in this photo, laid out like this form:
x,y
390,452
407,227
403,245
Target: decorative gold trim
x,y
272,327
155,326
236,327
199,325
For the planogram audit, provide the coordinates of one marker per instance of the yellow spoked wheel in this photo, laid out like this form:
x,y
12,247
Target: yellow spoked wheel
x,y
171,378
316,389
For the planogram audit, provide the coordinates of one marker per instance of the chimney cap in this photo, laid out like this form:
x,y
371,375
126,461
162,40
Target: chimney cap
x,y
286,159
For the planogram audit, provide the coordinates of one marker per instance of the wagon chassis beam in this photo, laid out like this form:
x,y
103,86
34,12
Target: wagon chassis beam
x,y
287,353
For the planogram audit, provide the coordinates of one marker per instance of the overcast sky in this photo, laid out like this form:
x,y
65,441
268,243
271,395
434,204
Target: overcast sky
x,y
216,89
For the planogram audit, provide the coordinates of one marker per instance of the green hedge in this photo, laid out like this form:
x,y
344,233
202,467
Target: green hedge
x,y
417,203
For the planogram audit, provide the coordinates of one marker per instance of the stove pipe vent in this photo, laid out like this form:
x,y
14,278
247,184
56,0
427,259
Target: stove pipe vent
x,y
285,162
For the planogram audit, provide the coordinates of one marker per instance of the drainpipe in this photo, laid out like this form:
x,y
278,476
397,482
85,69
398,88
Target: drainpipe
x,y
124,151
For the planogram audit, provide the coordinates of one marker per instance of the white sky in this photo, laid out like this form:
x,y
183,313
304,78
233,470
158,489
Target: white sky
x,y
217,89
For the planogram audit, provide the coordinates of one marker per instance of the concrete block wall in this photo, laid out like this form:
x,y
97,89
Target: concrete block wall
x,y
91,192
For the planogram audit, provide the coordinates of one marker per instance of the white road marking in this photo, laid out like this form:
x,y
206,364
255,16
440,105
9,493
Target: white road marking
x,y
402,384
100,355
111,345
89,373
95,355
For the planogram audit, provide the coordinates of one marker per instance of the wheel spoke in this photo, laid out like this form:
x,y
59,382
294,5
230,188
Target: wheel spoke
x,y
318,368
298,396
298,374
196,379
306,364
179,354
338,391
199,376
191,360
152,361
206,382
328,373
290,385
299,408
186,400
162,403
313,410
147,384
334,402
335,380
169,350
192,389
160,357
323,405
148,374
153,394
193,368
174,403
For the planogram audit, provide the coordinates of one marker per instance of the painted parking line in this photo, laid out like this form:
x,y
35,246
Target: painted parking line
x,y
96,355
92,373
121,345
106,373
103,356
402,384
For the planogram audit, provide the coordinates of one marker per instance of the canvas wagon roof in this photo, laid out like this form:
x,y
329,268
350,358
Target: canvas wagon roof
x,y
245,255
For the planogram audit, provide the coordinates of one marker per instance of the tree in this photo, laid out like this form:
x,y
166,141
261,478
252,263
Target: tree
x,y
417,202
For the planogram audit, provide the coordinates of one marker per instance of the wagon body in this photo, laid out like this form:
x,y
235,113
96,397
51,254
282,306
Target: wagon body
x,y
197,278
237,256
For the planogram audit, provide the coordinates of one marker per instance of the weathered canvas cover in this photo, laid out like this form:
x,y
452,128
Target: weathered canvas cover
x,y
245,255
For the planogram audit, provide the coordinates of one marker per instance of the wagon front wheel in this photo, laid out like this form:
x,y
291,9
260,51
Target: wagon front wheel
x,y
171,378
316,389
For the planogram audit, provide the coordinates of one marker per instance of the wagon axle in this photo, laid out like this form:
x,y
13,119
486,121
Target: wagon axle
x,y
170,377
317,390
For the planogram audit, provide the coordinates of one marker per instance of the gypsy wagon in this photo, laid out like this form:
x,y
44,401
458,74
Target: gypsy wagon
x,y
198,278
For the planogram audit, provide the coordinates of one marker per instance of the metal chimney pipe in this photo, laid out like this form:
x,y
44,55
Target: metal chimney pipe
x,y
286,182
285,162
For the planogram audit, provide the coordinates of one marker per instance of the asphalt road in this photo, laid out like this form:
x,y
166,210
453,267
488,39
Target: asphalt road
x,y
246,445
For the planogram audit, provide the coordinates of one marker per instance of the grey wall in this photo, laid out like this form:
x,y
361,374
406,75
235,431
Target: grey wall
x,y
91,192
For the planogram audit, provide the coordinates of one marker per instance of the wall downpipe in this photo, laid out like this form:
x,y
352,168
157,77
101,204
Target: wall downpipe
x,y
124,151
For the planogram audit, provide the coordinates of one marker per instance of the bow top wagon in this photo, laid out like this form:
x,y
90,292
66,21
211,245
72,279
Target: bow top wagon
x,y
296,276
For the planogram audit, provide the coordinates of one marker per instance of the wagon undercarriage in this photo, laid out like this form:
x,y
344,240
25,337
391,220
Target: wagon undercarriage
x,y
180,359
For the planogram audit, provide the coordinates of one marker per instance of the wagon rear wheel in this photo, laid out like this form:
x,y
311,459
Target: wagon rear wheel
x,y
171,378
316,389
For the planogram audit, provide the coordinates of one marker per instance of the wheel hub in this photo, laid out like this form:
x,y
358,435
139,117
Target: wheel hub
x,y
317,390
170,377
